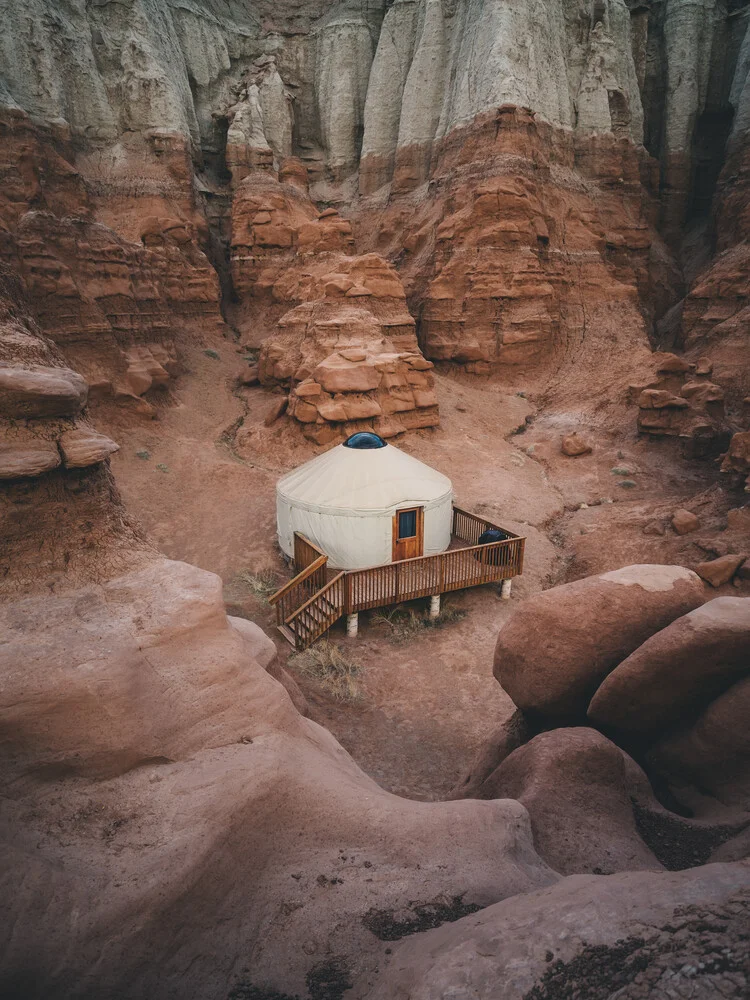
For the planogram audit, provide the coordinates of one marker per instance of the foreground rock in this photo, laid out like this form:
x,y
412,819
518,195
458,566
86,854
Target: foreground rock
x,y
202,763
558,646
634,935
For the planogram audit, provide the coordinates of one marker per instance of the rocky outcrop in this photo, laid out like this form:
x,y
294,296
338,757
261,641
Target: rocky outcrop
x,y
573,783
682,399
679,669
50,452
559,646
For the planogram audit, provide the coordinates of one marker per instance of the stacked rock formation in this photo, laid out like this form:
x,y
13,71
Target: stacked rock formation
x,y
682,400
346,344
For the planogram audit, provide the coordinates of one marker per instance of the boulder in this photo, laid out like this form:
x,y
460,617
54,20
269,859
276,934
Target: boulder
x,y
676,671
574,784
683,522
713,753
719,571
558,646
573,445
84,446
276,409
249,375
27,458
27,393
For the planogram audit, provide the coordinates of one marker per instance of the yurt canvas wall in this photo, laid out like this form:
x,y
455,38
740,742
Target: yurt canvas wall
x,y
345,500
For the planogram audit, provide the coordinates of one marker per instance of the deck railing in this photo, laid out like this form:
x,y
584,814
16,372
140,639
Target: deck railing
x,y
305,552
469,528
308,605
424,576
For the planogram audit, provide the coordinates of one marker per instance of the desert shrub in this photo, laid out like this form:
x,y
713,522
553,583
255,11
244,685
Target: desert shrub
x,y
331,669
261,584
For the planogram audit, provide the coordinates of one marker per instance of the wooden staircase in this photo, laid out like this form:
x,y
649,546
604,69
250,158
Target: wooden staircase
x,y
308,605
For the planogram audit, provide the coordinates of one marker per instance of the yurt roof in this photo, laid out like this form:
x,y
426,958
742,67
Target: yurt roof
x,y
367,482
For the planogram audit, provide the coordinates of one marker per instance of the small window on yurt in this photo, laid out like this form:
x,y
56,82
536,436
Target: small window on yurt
x,y
407,524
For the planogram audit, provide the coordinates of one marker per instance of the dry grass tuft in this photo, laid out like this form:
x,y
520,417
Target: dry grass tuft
x,y
262,584
331,669
406,623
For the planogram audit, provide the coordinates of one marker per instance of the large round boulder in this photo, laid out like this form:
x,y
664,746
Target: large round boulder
x,y
575,785
558,646
677,671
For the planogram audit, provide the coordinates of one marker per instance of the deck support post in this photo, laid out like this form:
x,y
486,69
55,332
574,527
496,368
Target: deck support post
x,y
505,588
434,607
352,625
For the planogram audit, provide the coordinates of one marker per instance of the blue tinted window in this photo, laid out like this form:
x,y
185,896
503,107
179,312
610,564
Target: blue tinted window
x,y
364,440
407,524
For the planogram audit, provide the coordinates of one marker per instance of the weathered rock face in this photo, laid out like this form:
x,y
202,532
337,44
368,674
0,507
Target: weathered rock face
x,y
49,454
681,399
439,65
113,301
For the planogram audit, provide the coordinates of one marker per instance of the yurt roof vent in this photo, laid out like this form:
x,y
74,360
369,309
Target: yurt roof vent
x,y
364,440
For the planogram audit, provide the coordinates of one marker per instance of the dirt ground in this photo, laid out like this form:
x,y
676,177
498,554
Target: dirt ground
x,y
201,478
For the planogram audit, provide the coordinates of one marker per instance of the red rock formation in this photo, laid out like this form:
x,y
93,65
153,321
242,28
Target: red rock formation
x,y
531,243
112,302
349,350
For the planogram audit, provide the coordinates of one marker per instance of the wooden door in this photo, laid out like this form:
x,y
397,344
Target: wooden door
x,y
408,533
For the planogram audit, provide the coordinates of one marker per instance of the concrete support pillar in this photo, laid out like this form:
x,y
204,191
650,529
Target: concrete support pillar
x,y
352,625
435,607
505,589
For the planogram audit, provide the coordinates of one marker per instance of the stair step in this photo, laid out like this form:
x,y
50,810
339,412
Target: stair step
x,y
288,634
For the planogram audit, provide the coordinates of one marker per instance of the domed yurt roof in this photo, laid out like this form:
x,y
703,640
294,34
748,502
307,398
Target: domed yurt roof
x,y
366,475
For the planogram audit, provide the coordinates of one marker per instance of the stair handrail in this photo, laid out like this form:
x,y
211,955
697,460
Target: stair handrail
x,y
318,593
298,579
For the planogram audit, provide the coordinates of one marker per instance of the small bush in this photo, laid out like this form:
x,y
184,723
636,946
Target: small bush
x,y
212,354
262,584
325,664
162,467
406,623
145,455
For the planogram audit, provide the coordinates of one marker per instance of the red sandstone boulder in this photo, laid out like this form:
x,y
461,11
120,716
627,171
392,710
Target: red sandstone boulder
x,y
40,392
574,784
558,646
677,671
574,445
720,571
27,458
713,753
84,446
683,522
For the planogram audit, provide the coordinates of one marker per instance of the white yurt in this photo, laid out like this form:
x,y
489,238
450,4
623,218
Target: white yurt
x,y
366,503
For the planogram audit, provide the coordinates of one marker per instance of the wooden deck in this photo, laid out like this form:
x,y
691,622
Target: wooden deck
x,y
310,603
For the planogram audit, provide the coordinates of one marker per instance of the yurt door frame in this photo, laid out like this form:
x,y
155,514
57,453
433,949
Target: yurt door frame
x,y
408,533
